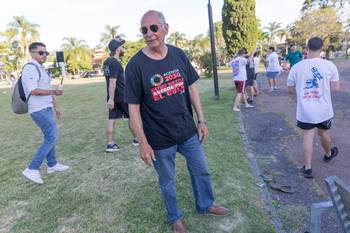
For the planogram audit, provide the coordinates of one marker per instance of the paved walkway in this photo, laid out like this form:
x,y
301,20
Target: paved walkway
x,y
276,144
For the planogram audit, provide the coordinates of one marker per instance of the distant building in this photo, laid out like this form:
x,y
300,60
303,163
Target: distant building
x,y
98,56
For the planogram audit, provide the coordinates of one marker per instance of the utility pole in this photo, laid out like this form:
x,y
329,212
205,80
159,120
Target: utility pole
x,y
213,52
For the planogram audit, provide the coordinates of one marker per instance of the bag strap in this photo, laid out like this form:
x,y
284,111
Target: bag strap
x,y
37,69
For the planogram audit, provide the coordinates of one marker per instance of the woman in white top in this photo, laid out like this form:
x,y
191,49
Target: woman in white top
x,y
273,68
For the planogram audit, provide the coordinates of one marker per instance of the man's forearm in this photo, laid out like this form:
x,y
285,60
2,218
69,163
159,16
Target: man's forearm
x,y
43,92
196,102
136,124
55,103
291,90
111,89
335,86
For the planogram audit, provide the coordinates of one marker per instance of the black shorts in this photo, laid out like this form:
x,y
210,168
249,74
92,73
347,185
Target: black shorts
x,y
120,110
323,125
249,82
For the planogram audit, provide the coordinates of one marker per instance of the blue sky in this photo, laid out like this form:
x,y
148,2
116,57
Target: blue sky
x,y
85,19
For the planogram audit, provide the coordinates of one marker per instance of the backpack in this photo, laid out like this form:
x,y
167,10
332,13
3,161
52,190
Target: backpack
x,y
19,102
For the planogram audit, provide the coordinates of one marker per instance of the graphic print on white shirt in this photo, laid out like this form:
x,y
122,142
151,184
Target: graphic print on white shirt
x,y
312,79
238,65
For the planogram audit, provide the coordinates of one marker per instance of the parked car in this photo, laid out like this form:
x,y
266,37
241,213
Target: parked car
x,y
90,74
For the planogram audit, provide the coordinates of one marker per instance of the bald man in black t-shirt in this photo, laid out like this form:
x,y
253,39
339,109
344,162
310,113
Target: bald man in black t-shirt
x,y
160,92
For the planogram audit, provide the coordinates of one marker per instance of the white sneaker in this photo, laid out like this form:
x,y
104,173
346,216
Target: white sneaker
x,y
33,175
57,168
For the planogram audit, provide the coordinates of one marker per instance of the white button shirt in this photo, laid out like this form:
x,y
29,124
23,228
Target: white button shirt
x,y
31,81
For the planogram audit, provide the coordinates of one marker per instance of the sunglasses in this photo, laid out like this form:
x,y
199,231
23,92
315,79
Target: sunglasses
x,y
153,28
41,53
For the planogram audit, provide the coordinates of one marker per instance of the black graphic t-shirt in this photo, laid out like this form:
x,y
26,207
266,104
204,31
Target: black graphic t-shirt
x,y
112,69
161,89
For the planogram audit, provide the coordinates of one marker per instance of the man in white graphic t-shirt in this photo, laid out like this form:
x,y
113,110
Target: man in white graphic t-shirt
x,y
239,75
313,79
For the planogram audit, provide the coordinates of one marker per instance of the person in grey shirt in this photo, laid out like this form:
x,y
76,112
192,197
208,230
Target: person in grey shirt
x,y
41,104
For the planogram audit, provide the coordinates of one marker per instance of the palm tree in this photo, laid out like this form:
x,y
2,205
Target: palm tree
x,y
177,38
77,54
109,34
24,32
284,33
273,29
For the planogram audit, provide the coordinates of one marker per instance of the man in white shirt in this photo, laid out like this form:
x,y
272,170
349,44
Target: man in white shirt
x,y
313,79
37,87
273,68
239,74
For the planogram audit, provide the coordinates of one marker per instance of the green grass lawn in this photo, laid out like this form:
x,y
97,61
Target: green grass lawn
x,y
117,192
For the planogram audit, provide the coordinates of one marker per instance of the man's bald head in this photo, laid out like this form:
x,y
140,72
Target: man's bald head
x,y
156,13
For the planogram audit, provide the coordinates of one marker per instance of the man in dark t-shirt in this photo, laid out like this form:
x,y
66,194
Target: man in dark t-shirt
x,y
160,92
114,74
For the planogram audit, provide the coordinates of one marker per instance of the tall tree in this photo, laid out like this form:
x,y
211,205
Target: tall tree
x,y
77,54
221,51
23,32
329,27
131,48
178,39
239,25
109,34
10,56
309,5
273,30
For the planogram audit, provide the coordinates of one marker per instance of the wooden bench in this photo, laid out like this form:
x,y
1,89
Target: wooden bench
x,y
340,195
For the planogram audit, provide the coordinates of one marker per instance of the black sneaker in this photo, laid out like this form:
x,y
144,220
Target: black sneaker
x,y
112,148
334,153
307,172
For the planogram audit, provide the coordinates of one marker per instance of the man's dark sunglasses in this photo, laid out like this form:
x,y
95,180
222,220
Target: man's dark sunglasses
x,y
41,53
153,28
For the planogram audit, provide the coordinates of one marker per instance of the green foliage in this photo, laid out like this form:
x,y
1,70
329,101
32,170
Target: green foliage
x,y
131,48
309,5
197,48
77,55
239,25
109,34
273,30
22,32
10,55
329,27
206,64
222,56
178,39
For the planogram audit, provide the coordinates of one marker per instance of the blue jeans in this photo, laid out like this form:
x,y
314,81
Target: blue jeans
x,y
45,120
197,166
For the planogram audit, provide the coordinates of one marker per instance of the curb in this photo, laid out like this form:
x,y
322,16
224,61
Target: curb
x,y
266,197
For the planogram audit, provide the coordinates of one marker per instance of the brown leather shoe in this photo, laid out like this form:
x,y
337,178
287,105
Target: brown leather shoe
x,y
217,210
179,227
